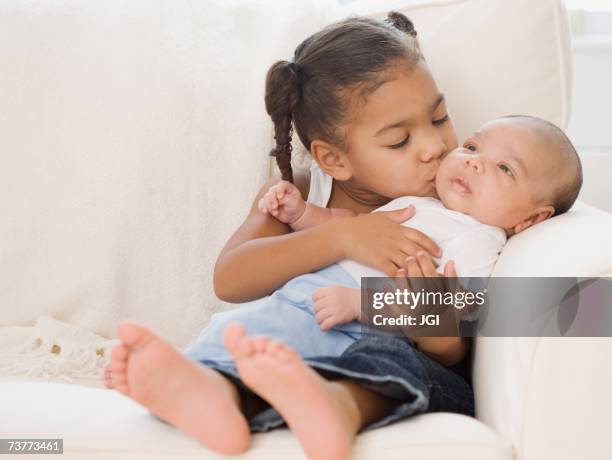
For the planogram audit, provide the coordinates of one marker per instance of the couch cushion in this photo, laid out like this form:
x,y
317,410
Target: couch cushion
x,y
100,423
134,137
576,243
492,57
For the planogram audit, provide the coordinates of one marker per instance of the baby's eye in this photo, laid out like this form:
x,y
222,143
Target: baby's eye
x,y
506,170
471,147
400,144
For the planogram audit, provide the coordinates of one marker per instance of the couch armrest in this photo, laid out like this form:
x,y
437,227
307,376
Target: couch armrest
x,y
550,397
568,400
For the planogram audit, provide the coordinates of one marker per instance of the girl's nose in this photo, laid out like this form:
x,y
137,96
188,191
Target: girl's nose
x,y
433,150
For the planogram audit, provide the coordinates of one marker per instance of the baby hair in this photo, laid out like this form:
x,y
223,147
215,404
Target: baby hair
x,y
312,93
568,184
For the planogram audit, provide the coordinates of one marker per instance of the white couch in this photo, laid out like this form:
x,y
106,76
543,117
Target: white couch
x,y
125,124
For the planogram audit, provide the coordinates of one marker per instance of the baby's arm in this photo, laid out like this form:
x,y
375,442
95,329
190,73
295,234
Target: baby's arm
x,y
285,202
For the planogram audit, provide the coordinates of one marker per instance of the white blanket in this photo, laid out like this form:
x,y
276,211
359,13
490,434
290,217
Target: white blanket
x,y
54,350
133,136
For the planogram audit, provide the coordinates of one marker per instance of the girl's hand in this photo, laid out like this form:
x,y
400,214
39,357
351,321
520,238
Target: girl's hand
x,y
419,274
283,201
446,346
335,305
379,241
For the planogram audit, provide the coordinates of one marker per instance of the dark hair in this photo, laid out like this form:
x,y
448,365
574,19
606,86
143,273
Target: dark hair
x,y
312,92
569,183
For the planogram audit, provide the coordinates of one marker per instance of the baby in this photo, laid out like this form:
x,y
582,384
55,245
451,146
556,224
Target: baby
x,y
514,172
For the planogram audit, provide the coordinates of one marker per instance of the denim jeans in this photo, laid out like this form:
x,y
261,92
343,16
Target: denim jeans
x,y
394,368
382,362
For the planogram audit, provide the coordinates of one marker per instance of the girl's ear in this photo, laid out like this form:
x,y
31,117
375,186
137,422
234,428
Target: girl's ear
x,y
330,159
539,215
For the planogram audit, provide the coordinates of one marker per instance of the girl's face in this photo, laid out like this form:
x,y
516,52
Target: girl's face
x,y
396,139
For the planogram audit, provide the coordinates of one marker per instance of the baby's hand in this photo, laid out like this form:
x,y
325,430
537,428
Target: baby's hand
x,y
335,305
284,202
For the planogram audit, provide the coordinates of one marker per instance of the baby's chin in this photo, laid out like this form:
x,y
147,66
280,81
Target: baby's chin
x,y
452,200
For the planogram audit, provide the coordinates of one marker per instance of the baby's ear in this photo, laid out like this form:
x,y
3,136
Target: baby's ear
x,y
540,214
330,159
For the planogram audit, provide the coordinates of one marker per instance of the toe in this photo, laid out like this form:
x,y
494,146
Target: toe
x,y
260,344
286,354
119,353
123,388
273,347
245,347
134,335
118,367
235,340
108,382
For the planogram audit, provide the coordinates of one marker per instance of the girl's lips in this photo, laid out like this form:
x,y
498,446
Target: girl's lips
x,y
461,185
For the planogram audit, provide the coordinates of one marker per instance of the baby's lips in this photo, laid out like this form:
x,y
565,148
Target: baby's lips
x,y
461,184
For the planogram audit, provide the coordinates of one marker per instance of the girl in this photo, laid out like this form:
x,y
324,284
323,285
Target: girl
x,y
361,97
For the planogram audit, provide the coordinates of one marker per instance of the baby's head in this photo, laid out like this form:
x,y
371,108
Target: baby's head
x,y
512,173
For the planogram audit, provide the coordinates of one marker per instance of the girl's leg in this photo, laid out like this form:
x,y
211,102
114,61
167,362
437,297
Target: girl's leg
x,y
324,415
368,405
190,396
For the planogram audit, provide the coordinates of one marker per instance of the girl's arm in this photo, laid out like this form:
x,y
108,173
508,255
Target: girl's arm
x,y
263,253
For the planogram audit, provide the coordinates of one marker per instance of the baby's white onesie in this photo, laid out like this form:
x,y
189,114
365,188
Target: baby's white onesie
x,y
473,246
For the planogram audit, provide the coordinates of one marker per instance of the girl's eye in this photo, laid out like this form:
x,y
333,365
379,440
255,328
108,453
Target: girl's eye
x,y
471,147
506,170
441,121
400,144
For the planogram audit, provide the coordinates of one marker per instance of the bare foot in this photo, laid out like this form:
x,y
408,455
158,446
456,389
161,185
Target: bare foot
x,y
318,412
108,377
190,396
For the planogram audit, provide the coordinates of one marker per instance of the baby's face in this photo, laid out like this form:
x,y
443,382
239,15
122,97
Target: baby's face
x,y
499,176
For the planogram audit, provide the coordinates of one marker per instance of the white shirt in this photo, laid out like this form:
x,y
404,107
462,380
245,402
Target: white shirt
x,y
473,246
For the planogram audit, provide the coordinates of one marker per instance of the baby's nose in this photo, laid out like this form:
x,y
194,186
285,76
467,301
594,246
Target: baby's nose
x,y
475,163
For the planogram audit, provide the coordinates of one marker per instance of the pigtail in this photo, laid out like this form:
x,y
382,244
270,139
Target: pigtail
x,y
401,22
282,95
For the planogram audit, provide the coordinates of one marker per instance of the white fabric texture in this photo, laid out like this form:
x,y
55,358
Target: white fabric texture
x,y
103,424
321,185
473,246
54,350
125,126
492,57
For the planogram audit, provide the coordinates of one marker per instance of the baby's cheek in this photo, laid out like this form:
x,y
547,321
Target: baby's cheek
x,y
492,211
